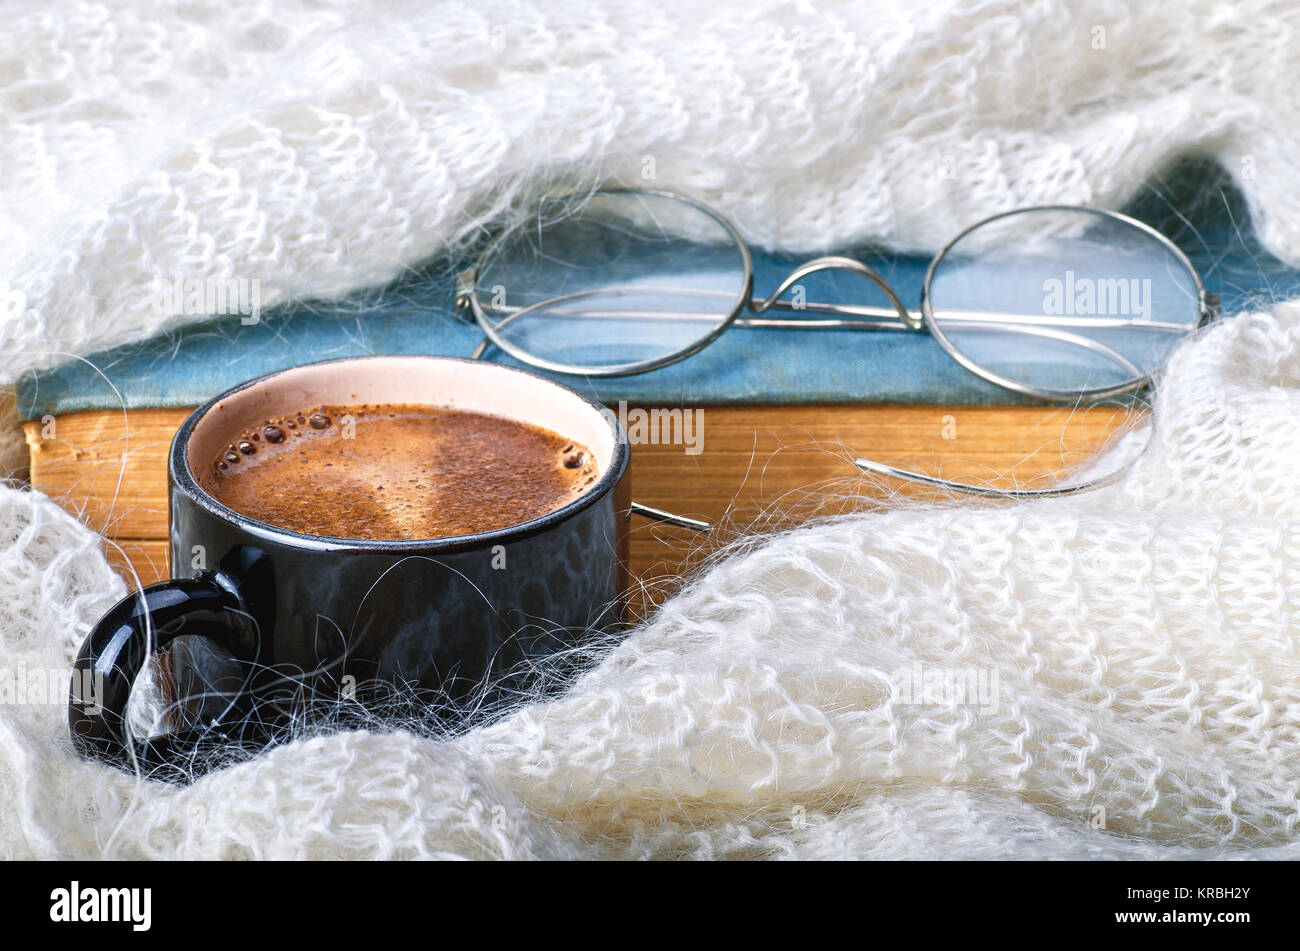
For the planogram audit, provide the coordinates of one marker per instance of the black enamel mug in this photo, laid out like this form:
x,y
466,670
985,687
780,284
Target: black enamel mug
x,y
262,626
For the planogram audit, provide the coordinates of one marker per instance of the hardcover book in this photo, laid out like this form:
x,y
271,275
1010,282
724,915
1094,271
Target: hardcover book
x,y
756,431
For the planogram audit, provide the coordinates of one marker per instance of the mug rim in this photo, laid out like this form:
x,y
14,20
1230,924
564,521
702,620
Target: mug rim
x,y
182,478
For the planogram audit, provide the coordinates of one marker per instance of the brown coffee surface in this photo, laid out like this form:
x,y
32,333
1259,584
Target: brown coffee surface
x,y
397,471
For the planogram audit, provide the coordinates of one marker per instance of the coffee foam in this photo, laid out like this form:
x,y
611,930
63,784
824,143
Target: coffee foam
x,y
397,471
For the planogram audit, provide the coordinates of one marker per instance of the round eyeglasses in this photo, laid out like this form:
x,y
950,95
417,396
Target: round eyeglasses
x,y
1060,303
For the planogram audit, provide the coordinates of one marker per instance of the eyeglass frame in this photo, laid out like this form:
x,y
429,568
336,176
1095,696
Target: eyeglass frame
x,y
850,317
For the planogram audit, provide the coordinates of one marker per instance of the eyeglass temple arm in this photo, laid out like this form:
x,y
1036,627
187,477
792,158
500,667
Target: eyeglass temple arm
x,y
909,475
667,518
856,316
987,491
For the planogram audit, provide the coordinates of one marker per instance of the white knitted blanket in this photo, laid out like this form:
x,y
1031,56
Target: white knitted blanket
x,y
1133,651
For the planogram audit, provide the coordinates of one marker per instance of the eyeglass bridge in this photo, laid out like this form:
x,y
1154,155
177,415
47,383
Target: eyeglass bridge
x,y
854,315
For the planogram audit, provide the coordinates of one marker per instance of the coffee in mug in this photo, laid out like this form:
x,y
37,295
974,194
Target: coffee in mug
x,y
397,471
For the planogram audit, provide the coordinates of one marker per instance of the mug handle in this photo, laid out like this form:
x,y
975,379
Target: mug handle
x,y
117,649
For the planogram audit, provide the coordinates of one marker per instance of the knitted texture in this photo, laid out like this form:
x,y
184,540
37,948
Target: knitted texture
x,y
319,147
1132,654
1133,651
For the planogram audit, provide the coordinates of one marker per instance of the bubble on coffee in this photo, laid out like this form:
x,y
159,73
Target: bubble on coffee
x,y
397,472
